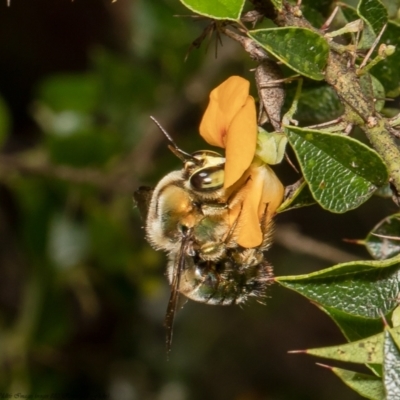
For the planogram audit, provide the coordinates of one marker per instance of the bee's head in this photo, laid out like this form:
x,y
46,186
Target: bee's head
x,y
206,174
203,170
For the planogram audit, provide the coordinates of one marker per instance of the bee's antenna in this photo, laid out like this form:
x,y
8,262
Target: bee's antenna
x,y
173,146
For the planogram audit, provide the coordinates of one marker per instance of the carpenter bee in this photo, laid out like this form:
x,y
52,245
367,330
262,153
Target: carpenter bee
x,y
195,220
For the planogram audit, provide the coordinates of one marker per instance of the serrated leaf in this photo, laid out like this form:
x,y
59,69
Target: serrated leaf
x,y
391,365
216,9
299,197
387,244
301,49
356,328
342,173
374,13
364,351
367,386
361,288
388,71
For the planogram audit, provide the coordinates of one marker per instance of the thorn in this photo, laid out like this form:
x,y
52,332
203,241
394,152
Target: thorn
x,y
324,366
368,55
354,241
328,22
385,323
297,352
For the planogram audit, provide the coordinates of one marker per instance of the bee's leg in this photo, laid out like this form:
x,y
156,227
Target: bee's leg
x,y
231,231
267,228
230,205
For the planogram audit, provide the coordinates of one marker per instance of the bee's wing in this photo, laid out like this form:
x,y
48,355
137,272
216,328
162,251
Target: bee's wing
x,y
174,297
142,198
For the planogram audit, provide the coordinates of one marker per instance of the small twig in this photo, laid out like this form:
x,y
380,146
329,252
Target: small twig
x,y
14,163
289,237
386,236
328,22
376,41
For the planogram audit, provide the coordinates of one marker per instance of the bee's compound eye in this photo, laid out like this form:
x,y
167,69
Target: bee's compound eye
x,y
208,179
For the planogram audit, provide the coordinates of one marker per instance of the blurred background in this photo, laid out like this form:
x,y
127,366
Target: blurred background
x,y
82,294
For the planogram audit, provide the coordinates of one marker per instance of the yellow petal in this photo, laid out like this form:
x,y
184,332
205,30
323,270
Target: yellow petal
x,y
231,95
213,126
264,193
226,101
272,195
240,143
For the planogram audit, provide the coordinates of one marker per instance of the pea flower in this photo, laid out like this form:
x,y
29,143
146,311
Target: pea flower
x,y
230,122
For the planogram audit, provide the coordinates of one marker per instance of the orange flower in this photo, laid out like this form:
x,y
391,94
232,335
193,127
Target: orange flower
x,y
230,122
263,194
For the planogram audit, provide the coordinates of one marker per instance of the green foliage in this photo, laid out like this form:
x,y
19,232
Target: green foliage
x,y
332,163
367,386
217,9
84,244
383,241
374,13
300,49
374,295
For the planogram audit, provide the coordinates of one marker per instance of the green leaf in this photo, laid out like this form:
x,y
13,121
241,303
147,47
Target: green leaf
x,y
354,327
388,71
299,196
391,365
216,9
381,247
301,49
319,104
342,173
374,13
365,351
392,7
4,121
366,289
396,317
368,386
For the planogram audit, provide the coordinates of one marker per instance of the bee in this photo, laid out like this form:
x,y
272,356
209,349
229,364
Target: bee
x,y
195,220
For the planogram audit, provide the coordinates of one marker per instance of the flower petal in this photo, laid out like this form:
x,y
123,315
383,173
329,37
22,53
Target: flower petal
x,y
231,95
213,126
240,143
264,193
226,100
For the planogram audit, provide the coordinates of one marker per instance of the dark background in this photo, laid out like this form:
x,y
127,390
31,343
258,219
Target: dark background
x,y
82,295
